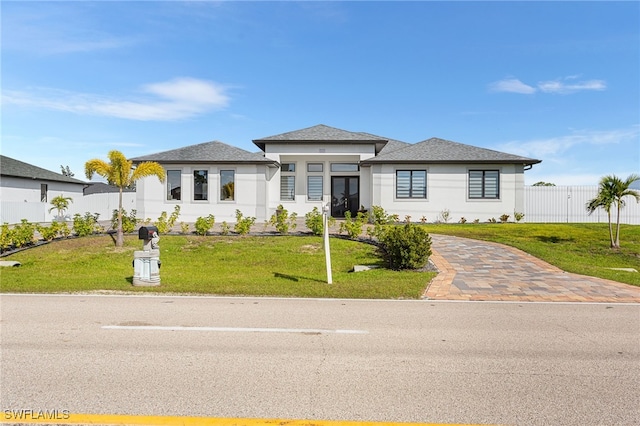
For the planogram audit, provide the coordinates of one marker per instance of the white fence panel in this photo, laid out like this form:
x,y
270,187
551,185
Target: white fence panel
x,y
104,204
567,204
14,211
542,204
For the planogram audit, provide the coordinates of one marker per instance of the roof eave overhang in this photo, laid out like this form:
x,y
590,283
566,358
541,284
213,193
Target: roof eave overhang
x,y
379,143
78,182
200,161
524,163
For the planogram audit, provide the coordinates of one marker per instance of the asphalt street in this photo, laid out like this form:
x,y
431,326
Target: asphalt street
x,y
409,361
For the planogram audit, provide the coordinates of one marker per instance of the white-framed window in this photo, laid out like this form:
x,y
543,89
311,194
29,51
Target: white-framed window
x,y
174,185
315,181
44,188
227,185
288,181
200,185
344,167
411,184
484,184
314,188
315,167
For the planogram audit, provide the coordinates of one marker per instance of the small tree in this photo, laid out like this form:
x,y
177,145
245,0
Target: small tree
x,y
66,171
120,172
541,183
611,192
61,204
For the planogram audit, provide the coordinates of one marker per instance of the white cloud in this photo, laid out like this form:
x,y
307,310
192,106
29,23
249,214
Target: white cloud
x,y
511,85
559,86
550,147
171,100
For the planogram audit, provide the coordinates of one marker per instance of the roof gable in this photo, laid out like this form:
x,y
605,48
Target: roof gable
x,y
324,134
20,169
437,150
207,152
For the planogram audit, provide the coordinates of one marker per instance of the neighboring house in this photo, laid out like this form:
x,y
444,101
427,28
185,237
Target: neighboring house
x,y
26,191
104,188
349,170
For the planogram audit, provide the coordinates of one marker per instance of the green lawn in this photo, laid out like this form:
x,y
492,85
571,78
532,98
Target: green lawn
x,y
294,265
579,248
253,265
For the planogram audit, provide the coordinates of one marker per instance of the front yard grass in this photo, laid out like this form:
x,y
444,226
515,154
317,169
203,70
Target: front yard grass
x,y
578,248
222,265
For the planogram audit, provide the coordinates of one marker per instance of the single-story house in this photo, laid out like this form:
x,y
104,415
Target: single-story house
x,y
26,191
310,167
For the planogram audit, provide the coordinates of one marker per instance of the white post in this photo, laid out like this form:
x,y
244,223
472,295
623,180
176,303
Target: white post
x,y
327,251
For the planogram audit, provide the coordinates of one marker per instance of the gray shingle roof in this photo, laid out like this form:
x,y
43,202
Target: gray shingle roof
x,y
16,168
436,150
103,188
392,144
208,152
322,133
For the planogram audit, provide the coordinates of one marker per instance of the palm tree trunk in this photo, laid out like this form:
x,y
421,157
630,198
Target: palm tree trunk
x,y
619,206
120,233
612,242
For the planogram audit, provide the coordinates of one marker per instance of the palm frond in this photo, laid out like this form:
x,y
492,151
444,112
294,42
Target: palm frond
x,y
99,167
148,168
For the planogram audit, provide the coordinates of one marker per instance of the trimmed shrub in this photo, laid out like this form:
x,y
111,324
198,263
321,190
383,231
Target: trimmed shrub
x,y
406,247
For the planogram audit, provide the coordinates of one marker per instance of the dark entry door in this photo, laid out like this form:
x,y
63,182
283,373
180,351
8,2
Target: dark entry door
x,y
345,195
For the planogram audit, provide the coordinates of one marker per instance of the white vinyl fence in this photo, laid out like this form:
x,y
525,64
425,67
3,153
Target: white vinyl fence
x,y
542,204
104,204
567,204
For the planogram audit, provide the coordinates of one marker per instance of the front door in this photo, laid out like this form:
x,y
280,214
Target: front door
x,y
345,195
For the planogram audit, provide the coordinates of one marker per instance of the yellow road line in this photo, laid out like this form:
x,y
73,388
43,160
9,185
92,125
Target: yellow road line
x,y
65,418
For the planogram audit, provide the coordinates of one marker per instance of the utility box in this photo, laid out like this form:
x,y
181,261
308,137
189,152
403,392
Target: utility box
x,y
146,262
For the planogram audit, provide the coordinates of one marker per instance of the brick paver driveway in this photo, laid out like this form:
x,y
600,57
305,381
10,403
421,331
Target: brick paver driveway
x,y
479,270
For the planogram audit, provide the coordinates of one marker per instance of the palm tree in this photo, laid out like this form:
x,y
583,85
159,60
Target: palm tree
x,y
604,199
60,203
611,192
121,173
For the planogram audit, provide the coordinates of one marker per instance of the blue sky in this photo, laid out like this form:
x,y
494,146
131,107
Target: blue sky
x,y
556,81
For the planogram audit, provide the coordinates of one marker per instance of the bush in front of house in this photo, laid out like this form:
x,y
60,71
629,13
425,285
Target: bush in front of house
x,y
129,221
85,225
406,247
20,235
282,220
315,222
56,229
204,224
243,224
353,226
165,225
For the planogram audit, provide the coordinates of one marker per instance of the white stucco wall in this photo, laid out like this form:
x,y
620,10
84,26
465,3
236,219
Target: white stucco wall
x,y
301,155
447,189
21,198
251,193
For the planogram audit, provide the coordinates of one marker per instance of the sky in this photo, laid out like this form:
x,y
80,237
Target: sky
x,y
554,81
